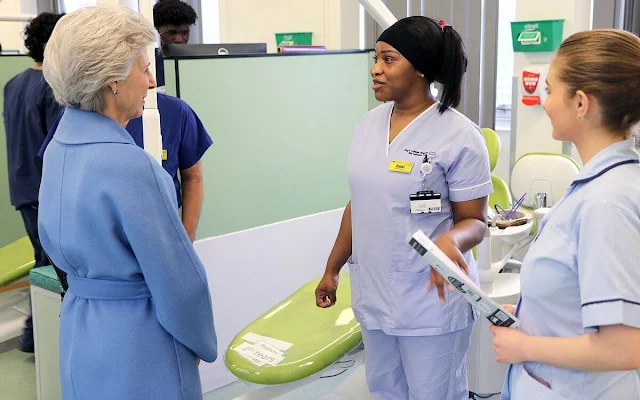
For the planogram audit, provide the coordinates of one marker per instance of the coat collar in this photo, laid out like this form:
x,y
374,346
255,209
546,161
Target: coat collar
x,y
82,127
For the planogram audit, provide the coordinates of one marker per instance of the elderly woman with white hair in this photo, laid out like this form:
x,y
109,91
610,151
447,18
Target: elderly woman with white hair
x,y
137,315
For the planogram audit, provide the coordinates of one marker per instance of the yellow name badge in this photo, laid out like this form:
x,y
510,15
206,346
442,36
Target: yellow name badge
x,y
164,155
401,166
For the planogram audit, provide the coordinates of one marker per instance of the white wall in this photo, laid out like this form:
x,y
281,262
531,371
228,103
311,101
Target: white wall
x,y
258,21
11,32
533,128
210,19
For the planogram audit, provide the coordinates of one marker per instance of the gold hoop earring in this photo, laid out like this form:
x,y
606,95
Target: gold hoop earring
x,y
580,117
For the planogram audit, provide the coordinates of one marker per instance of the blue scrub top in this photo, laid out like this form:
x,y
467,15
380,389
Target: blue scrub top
x,y
30,111
184,138
389,280
582,273
159,68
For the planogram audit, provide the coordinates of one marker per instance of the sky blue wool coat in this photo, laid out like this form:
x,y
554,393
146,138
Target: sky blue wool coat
x,y
138,311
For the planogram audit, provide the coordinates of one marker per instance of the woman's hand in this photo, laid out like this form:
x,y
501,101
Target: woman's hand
x,y
510,308
509,344
446,244
326,291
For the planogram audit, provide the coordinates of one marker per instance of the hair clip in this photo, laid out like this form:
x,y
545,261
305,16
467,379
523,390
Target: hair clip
x,y
442,24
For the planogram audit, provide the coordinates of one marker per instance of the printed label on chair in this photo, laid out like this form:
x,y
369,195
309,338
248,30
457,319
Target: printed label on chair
x,y
260,353
278,344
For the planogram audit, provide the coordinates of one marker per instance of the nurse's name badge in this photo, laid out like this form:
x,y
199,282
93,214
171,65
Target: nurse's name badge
x,y
425,203
164,155
401,166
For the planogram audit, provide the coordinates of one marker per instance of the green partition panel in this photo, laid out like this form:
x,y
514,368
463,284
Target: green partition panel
x,y
11,226
281,128
170,77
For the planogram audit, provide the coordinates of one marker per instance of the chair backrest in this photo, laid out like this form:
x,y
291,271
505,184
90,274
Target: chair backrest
x,y
542,173
492,140
501,194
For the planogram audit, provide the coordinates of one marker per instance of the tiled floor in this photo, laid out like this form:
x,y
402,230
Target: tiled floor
x,y
18,382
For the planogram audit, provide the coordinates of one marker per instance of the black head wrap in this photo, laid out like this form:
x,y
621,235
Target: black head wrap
x,y
419,49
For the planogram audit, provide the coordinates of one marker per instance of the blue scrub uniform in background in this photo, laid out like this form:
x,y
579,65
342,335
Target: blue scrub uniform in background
x,y
415,346
184,138
582,273
159,69
30,111
138,309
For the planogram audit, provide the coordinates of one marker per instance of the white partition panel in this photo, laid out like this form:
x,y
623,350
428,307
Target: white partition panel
x,y
251,271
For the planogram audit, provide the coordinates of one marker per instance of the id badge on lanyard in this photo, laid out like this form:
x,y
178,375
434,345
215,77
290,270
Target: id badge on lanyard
x,y
425,201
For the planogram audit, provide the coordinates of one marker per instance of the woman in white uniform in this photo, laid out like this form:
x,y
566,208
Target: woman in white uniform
x,y
414,163
580,299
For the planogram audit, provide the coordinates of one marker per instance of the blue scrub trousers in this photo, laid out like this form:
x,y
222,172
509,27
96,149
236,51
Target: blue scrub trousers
x,y
418,367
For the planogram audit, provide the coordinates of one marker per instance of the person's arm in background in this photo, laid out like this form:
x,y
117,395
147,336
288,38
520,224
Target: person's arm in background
x,y
342,249
195,142
192,197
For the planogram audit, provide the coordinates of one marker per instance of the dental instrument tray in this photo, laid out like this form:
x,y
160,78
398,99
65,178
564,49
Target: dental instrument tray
x,y
522,217
495,313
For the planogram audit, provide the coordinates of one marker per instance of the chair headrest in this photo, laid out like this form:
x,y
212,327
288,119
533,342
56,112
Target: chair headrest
x,y
492,140
542,173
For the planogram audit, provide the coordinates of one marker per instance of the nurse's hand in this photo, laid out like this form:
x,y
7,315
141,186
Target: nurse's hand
x,y
510,308
509,344
446,244
326,291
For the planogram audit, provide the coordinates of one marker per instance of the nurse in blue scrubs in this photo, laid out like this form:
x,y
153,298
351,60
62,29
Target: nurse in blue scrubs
x,y
414,163
30,111
580,299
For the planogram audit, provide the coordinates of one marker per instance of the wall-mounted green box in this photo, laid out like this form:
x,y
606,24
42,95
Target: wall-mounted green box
x,y
536,36
294,39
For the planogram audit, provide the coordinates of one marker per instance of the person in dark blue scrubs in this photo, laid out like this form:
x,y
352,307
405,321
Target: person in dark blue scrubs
x,y
184,142
172,20
29,112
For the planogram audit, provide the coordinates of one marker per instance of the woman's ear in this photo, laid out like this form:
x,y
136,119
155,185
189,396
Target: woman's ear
x,y
582,103
113,86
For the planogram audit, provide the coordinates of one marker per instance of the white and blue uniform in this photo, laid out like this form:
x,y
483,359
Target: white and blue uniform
x,y
581,273
400,318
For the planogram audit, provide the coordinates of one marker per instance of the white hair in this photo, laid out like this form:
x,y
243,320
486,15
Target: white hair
x,y
91,48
